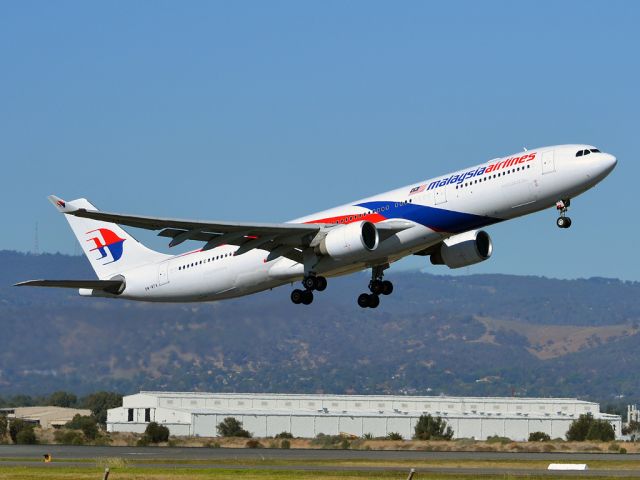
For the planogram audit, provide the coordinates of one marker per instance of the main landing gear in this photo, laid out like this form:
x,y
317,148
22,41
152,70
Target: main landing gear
x,y
377,287
310,283
562,206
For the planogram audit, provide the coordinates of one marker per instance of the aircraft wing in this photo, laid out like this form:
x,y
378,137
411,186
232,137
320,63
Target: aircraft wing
x,y
281,239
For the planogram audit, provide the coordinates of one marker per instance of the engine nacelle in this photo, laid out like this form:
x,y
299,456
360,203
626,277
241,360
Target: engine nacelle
x,y
350,240
464,249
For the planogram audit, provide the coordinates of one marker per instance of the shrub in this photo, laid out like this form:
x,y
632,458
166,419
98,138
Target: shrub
x,y
286,444
156,433
326,441
498,439
432,428
253,443
345,444
87,424
614,447
539,437
622,450
26,436
368,436
230,427
393,436
284,435
68,437
16,426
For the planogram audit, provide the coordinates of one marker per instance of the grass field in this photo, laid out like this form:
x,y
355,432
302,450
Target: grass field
x,y
129,473
161,469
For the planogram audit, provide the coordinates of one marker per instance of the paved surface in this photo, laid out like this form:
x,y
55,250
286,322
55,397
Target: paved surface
x,y
61,452
31,455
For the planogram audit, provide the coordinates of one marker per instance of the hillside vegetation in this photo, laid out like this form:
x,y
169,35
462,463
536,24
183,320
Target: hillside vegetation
x,y
477,334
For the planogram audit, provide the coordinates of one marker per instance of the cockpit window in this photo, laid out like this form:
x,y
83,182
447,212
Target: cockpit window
x,y
579,153
595,150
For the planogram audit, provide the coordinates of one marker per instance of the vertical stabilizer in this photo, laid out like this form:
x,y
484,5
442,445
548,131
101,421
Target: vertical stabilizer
x,y
108,247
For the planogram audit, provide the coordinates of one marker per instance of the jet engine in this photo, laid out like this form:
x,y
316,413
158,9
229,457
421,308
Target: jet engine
x,y
350,240
463,250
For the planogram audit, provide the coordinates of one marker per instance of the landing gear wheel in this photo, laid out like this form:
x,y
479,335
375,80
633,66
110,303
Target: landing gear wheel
x,y
307,297
387,287
296,296
376,286
363,300
321,284
563,222
310,282
374,301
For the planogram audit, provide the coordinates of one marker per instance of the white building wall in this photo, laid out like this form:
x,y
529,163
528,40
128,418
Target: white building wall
x,y
308,415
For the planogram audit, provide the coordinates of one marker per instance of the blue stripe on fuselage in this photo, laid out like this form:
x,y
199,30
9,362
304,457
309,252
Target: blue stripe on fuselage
x,y
437,219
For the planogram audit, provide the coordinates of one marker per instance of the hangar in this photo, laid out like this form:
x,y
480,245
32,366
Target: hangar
x,y
302,415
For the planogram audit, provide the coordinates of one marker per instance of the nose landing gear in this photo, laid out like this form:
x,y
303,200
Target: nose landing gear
x,y
562,206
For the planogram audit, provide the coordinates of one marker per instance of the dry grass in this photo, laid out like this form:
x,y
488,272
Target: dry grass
x,y
551,341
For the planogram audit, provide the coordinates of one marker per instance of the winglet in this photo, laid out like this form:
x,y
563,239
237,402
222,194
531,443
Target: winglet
x,y
61,205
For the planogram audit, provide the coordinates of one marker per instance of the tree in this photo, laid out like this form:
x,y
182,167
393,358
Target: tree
x,y
4,424
230,427
585,427
432,428
16,427
26,436
156,433
63,399
539,437
87,424
100,402
602,431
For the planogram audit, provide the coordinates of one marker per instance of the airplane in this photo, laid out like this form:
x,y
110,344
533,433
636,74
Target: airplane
x,y
441,218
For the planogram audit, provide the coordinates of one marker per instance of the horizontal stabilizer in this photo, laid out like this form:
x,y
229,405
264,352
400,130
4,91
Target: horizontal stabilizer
x,y
110,286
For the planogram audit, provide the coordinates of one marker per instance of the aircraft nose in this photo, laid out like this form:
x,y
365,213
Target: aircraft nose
x,y
609,162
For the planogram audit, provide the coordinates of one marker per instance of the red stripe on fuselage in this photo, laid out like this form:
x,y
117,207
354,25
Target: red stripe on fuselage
x,y
370,217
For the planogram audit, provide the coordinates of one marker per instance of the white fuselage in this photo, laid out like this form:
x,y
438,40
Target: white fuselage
x,y
439,208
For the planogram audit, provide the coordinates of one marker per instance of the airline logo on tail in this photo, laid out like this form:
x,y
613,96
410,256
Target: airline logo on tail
x,y
110,242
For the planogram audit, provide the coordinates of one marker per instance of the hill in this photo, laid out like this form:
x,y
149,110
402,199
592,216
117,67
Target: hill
x,y
476,334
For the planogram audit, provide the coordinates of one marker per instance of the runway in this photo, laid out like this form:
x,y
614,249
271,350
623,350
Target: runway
x,y
201,453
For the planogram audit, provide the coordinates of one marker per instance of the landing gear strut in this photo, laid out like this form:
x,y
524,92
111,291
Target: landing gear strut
x,y
377,287
310,283
562,206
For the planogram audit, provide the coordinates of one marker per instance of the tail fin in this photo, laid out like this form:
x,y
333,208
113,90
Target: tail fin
x,y
108,247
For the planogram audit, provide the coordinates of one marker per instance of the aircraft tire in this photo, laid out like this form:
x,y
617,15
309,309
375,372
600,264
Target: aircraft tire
x,y
363,300
307,297
310,283
296,296
568,222
374,301
321,284
387,287
376,287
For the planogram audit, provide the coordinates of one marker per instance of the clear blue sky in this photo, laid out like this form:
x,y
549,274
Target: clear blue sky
x,y
265,111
